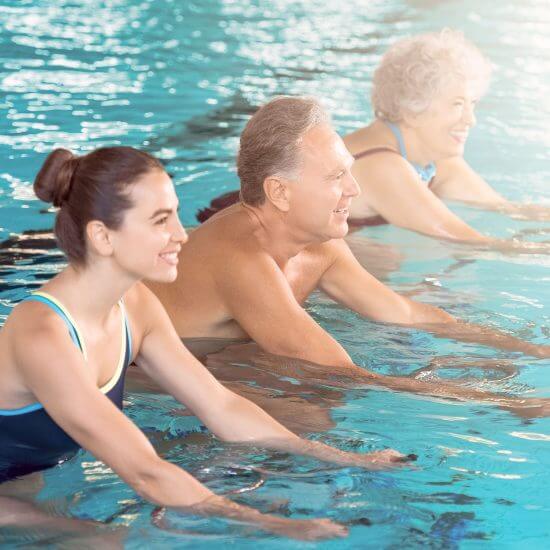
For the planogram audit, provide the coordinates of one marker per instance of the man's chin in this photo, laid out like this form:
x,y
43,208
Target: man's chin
x,y
343,229
339,231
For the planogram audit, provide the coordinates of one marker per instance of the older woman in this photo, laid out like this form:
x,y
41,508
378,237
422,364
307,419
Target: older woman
x,y
410,158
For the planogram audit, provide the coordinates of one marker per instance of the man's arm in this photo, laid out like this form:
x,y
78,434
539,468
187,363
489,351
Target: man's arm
x,y
344,377
228,415
261,301
350,284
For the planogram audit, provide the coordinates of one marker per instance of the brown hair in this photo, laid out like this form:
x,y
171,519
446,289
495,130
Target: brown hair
x,y
270,142
94,186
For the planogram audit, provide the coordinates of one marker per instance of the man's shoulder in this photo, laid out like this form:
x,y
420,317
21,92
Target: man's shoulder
x,y
222,237
329,248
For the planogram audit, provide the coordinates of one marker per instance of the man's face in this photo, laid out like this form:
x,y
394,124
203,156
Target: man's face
x,y
320,197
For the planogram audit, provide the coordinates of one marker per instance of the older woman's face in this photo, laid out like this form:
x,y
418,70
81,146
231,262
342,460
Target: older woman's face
x,y
443,128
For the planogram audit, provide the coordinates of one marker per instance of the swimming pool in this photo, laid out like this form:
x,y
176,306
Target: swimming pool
x,y
180,80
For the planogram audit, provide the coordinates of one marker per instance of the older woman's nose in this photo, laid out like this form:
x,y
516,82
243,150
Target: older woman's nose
x,y
468,115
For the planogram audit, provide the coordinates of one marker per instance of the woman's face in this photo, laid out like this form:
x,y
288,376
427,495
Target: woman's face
x,y
150,237
443,128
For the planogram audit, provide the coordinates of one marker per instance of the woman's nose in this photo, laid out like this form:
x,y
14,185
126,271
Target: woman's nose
x,y
180,235
469,116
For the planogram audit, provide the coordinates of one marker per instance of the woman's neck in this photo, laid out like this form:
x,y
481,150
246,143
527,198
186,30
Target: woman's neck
x,y
90,292
416,151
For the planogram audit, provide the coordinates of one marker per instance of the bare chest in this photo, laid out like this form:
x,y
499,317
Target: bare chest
x,y
303,274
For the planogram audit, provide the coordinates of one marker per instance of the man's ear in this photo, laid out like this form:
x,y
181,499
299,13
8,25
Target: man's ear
x,y
277,193
99,238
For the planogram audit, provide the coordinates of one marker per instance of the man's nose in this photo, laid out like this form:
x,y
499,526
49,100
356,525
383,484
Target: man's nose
x,y
352,188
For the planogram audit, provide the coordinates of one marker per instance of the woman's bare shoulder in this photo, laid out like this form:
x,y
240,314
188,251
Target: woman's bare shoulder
x,y
373,136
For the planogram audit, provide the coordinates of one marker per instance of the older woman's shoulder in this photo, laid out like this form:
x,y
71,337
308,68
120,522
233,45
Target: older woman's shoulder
x,y
371,141
382,163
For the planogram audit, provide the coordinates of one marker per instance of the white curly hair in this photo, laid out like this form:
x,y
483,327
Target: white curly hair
x,y
415,70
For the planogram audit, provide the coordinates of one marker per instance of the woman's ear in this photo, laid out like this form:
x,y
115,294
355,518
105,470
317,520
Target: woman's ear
x,y
410,119
99,239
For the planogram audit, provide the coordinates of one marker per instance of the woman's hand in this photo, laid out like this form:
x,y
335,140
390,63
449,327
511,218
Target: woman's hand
x,y
301,529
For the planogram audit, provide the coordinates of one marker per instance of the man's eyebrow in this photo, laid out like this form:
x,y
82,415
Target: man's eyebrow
x,y
335,172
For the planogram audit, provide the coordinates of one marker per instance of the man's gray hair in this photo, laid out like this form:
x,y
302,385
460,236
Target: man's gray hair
x,y
270,144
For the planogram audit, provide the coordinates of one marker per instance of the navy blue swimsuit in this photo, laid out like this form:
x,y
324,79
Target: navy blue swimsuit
x,y
30,439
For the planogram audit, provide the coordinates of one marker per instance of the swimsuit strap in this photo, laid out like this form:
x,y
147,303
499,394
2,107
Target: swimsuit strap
x,y
74,332
396,131
125,357
127,334
60,309
373,151
427,172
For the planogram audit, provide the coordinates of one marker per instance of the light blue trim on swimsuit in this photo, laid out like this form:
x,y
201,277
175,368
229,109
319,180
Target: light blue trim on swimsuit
x,y
23,410
61,313
74,337
427,172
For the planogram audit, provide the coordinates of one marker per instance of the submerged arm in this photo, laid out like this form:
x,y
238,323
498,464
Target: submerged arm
x,y
395,191
350,284
344,377
456,180
70,396
228,415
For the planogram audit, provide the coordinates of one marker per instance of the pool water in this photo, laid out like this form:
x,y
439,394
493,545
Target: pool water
x,y
180,79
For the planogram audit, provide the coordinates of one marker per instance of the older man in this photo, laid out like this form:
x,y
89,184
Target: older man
x,y
246,272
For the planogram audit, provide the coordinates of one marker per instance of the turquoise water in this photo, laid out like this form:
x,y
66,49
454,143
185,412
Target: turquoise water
x,y
180,79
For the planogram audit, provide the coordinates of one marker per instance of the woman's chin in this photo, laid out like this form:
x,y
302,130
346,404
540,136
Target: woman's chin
x,y
166,276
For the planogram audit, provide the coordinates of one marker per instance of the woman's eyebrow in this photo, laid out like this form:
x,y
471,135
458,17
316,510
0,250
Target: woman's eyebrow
x,y
161,211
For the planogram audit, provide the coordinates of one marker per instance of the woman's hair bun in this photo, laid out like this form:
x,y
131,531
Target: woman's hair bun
x,y
53,182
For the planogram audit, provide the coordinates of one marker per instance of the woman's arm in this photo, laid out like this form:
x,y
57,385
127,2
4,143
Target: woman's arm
x,y
69,393
456,180
395,191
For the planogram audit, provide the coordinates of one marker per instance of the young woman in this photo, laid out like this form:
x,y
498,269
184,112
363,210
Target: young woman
x,y
65,349
410,158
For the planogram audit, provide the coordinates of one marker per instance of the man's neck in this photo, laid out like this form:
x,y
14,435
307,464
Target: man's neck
x,y
278,238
